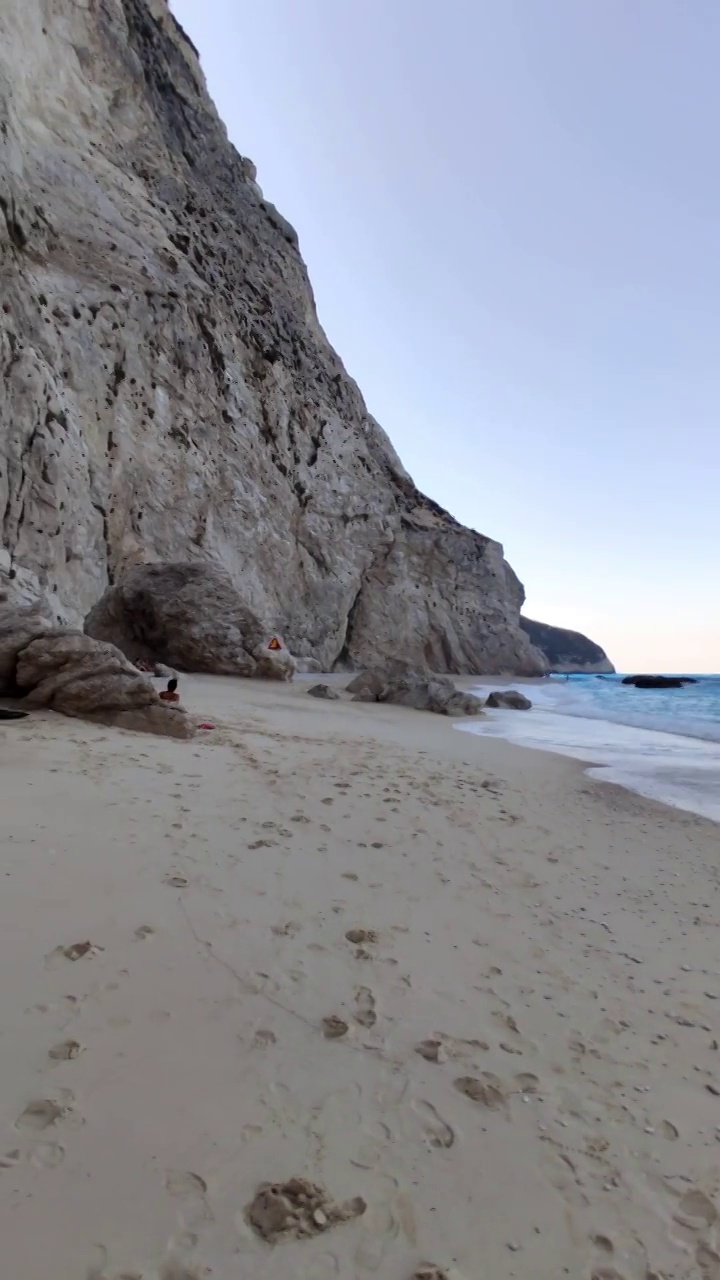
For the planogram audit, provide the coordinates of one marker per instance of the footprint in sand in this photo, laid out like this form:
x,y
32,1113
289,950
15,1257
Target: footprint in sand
x,y
358,936
436,1131
431,1050
708,1262
365,1007
604,1244
42,1113
76,951
696,1211
47,1155
334,1028
485,1090
177,882
184,1184
526,1082
170,1270
145,931
66,1050
263,1039
10,1159
190,1187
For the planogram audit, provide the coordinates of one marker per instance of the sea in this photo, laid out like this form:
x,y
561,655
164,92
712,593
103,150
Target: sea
x,y
661,743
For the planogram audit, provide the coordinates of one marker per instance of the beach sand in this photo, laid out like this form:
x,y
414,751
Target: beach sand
x,y
548,942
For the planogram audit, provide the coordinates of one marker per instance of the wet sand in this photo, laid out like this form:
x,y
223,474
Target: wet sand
x,y
470,992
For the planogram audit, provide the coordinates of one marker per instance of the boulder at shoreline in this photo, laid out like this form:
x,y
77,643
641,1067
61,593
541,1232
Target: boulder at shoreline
x,y
509,700
420,690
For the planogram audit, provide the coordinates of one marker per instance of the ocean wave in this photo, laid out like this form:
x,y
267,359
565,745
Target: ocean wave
x,y
691,712
682,771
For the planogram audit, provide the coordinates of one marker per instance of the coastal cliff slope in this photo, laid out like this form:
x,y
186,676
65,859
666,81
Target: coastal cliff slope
x,y
166,390
567,652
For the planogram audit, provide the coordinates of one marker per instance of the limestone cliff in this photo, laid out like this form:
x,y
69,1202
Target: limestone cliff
x,y
166,390
567,651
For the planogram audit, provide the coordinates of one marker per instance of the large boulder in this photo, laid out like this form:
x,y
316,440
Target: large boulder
x,y
509,700
418,689
18,627
72,673
191,617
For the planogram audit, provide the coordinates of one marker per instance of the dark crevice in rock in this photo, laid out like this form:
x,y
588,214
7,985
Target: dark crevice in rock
x,y
217,359
106,538
16,233
343,661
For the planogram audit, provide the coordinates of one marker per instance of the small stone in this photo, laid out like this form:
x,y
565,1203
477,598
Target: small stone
x,y
324,691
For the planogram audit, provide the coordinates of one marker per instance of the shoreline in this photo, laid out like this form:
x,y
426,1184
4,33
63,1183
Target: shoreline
x,y
521,1011
670,767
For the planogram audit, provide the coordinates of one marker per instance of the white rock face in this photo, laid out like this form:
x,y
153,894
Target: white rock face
x,y
166,390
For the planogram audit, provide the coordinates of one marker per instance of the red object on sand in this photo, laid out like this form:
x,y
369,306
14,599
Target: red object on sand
x,y
207,725
275,644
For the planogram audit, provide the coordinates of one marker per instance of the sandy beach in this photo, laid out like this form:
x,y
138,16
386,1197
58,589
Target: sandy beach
x,y
470,992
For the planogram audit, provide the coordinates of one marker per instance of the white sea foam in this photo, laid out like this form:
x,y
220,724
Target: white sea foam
x,y
679,771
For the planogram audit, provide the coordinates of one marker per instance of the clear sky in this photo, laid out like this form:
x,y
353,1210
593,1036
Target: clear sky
x,y
510,210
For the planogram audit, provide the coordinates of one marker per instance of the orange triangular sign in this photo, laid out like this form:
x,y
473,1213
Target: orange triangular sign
x,y
275,644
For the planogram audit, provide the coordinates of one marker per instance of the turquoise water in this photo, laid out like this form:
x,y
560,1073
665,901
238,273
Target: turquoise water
x,y
693,711
662,743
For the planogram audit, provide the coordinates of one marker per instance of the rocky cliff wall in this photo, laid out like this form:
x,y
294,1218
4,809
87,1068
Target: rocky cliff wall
x,y
166,390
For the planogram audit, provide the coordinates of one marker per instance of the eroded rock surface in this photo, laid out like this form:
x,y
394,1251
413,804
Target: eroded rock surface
x,y
166,390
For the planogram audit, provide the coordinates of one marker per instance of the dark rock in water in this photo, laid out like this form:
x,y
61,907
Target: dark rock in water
x,y
659,682
419,689
567,651
509,700
324,691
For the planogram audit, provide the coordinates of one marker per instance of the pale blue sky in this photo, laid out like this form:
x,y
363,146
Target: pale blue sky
x,y
510,210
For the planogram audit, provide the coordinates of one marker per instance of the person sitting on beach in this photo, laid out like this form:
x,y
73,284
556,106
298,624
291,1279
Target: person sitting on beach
x,y
170,694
